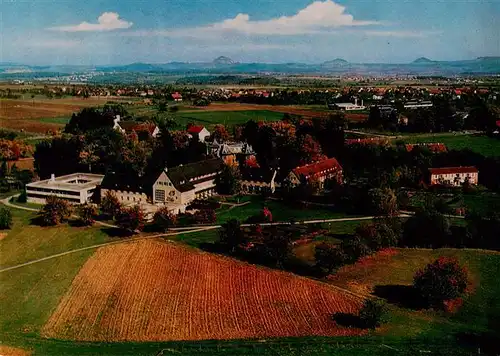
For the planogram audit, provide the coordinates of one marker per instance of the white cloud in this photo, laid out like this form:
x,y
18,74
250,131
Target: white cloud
x,y
106,22
318,17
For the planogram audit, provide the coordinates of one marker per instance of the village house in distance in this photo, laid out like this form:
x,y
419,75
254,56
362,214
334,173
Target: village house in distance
x,y
455,176
174,187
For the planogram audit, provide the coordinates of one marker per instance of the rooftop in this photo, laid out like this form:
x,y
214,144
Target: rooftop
x,y
317,167
453,170
75,181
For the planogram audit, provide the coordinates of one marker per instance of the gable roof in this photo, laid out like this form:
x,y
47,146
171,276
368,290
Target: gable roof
x,y
183,177
195,129
330,164
126,182
453,170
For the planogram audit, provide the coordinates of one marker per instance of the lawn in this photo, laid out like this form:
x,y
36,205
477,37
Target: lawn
x,y
398,268
280,211
229,118
26,242
484,145
480,202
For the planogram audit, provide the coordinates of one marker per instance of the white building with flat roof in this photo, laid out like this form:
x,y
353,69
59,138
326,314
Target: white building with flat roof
x,y
78,188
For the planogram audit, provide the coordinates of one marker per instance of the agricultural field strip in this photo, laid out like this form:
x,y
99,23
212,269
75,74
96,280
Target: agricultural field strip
x,y
106,303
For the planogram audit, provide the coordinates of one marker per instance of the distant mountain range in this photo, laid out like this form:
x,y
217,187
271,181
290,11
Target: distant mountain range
x,y
225,65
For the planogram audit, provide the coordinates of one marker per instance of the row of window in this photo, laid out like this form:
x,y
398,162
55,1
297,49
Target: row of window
x,y
52,191
165,183
133,198
41,196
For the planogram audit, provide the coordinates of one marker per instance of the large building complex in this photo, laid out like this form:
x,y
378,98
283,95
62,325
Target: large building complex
x,y
77,188
173,187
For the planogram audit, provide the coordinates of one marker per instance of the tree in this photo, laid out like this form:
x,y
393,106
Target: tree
x,y
377,235
328,257
440,281
354,248
131,219
220,133
164,219
87,213
277,246
5,218
231,235
55,211
383,201
373,313
228,181
110,205
427,228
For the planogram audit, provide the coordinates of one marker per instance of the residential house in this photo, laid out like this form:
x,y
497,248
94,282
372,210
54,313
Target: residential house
x,y
455,176
198,131
127,127
228,151
318,172
177,96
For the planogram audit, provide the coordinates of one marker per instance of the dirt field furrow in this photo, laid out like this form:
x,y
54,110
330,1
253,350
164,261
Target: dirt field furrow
x,y
154,290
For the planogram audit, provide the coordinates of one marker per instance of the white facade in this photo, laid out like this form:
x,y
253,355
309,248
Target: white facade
x,y
455,179
78,188
202,135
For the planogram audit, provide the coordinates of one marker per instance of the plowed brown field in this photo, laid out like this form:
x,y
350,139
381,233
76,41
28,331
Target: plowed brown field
x,y
22,114
293,110
154,290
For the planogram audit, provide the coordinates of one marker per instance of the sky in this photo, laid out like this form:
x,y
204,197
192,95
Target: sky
x,y
105,32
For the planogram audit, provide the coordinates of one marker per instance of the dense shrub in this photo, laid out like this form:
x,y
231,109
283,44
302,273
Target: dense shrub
x,y
441,281
328,257
203,204
131,219
55,211
372,314
354,248
205,216
23,197
5,218
87,213
163,219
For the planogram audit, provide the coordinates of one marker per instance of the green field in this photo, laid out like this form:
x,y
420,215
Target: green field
x,y
26,242
484,145
280,211
28,296
228,118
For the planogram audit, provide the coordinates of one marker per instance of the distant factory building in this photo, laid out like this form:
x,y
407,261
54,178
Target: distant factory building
x,y
417,104
347,106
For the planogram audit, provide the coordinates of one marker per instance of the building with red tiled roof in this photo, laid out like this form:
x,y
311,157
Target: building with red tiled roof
x,y
318,172
199,131
453,175
177,96
433,147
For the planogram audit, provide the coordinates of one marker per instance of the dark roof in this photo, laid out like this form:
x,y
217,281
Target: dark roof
x,y
453,170
126,182
181,175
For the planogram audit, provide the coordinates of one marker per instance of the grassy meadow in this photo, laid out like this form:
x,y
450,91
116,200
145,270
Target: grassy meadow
x,y
484,145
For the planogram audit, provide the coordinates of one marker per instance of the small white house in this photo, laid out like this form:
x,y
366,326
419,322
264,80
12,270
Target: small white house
x,y
198,131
